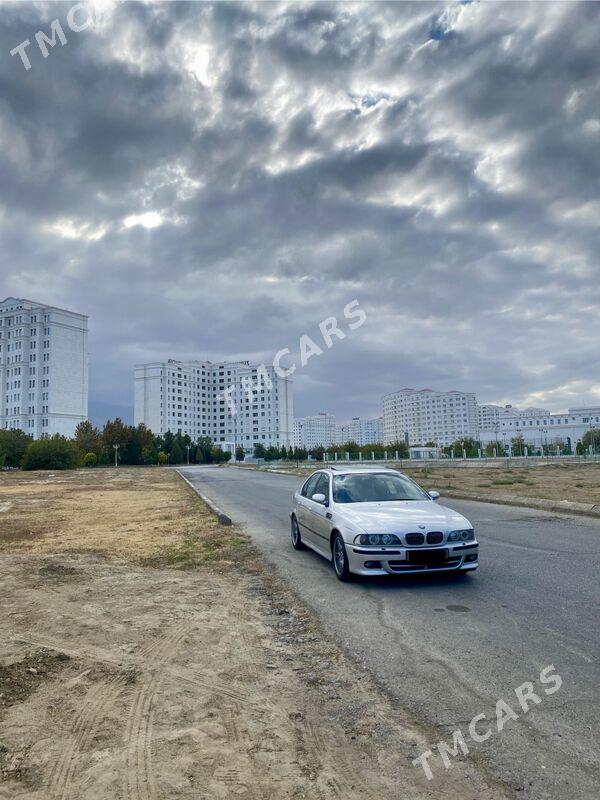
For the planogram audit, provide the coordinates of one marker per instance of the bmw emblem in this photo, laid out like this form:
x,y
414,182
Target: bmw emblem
x,y
422,527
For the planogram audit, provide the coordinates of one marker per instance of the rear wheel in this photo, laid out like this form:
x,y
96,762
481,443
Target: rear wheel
x,y
297,542
340,558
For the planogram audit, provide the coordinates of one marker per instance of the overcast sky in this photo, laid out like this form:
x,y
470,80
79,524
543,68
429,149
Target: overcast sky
x,y
212,181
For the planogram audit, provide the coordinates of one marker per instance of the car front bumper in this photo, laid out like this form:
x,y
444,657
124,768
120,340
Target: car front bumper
x,y
448,557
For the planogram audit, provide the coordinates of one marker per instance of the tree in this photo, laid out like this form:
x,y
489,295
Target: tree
x,y
259,450
318,452
591,437
149,455
284,453
176,453
398,446
272,454
469,445
90,460
517,445
88,438
57,452
239,453
203,449
140,441
219,456
13,445
163,457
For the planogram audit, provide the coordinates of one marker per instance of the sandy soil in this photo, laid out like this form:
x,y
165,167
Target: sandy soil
x,y
124,680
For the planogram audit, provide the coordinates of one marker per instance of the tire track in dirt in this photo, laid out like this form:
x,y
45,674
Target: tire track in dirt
x,y
140,779
249,666
97,703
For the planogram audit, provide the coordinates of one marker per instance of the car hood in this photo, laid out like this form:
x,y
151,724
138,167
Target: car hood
x,y
401,516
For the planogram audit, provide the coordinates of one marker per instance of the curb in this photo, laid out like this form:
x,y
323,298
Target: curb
x,y
222,518
562,506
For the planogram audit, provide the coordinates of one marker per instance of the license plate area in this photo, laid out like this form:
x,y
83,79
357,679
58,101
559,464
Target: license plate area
x,y
427,556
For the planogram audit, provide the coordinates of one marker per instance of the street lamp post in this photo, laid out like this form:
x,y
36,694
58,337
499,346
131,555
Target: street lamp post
x,y
116,449
188,447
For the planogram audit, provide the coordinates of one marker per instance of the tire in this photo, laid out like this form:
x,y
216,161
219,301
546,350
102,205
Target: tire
x,y
297,542
339,557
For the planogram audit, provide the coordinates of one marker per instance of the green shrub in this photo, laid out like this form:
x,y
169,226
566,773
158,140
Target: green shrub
x,y
90,460
13,444
54,453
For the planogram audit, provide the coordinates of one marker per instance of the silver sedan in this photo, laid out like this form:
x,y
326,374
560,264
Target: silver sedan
x,y
370,521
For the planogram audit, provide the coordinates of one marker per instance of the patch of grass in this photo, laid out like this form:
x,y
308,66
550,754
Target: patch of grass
x,y
145,516
193,551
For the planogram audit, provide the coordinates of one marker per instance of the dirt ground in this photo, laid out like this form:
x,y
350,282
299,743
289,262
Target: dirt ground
x,y
575,482
147,654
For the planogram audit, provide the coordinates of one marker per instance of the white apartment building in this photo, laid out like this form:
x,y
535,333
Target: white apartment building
x,y
362,431
539,427
319,430
43,368
489,416
419,416
229,402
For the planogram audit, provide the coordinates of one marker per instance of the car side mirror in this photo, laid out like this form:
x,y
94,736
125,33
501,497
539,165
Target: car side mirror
x,y
319,498
433,494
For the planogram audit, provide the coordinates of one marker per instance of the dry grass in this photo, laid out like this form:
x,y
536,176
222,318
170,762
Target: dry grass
x,y
580,484
146,516
576,482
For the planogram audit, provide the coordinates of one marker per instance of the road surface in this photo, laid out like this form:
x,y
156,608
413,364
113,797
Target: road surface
x,y
449,650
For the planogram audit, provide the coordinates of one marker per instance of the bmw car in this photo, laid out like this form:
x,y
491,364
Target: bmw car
x,y
370,521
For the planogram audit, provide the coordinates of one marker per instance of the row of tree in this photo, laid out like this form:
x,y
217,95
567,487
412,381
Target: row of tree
x,y
115,442
519,446
138,445
119,443
351,449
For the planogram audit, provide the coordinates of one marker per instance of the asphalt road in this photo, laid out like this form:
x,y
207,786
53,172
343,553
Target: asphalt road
x,y
449,650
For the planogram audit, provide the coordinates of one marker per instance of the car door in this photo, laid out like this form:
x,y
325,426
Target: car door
x,y
304,507
317,521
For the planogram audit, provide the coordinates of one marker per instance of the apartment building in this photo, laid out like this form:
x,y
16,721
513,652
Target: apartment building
x,y
362,431
419,416
43,368
229,401
489,416
537,426
318,430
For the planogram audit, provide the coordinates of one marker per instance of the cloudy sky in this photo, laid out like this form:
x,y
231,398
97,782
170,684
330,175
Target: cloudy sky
x,y
212,181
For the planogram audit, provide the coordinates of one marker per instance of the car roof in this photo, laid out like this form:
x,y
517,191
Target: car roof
x,y
365,470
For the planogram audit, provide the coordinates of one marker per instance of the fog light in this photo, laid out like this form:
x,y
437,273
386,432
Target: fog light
x,y
472,557
373,564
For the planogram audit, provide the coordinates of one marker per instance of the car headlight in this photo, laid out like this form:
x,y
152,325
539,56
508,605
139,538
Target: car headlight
x,y
461,536
377,538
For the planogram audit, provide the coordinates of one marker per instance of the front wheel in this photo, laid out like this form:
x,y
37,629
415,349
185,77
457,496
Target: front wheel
x,y
297,542
340,559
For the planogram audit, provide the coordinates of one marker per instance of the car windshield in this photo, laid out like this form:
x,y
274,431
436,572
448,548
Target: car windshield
x,y
377,488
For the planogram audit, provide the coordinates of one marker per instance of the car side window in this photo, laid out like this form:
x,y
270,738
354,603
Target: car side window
x,y
322,486
309,487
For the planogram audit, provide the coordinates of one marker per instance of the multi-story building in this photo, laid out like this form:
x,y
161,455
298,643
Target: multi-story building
x,y
489,416
421,416
229,402
319,430
539,427
43,368
362,431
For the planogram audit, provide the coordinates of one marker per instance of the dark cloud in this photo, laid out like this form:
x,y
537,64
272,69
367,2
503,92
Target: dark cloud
x,y
213,180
